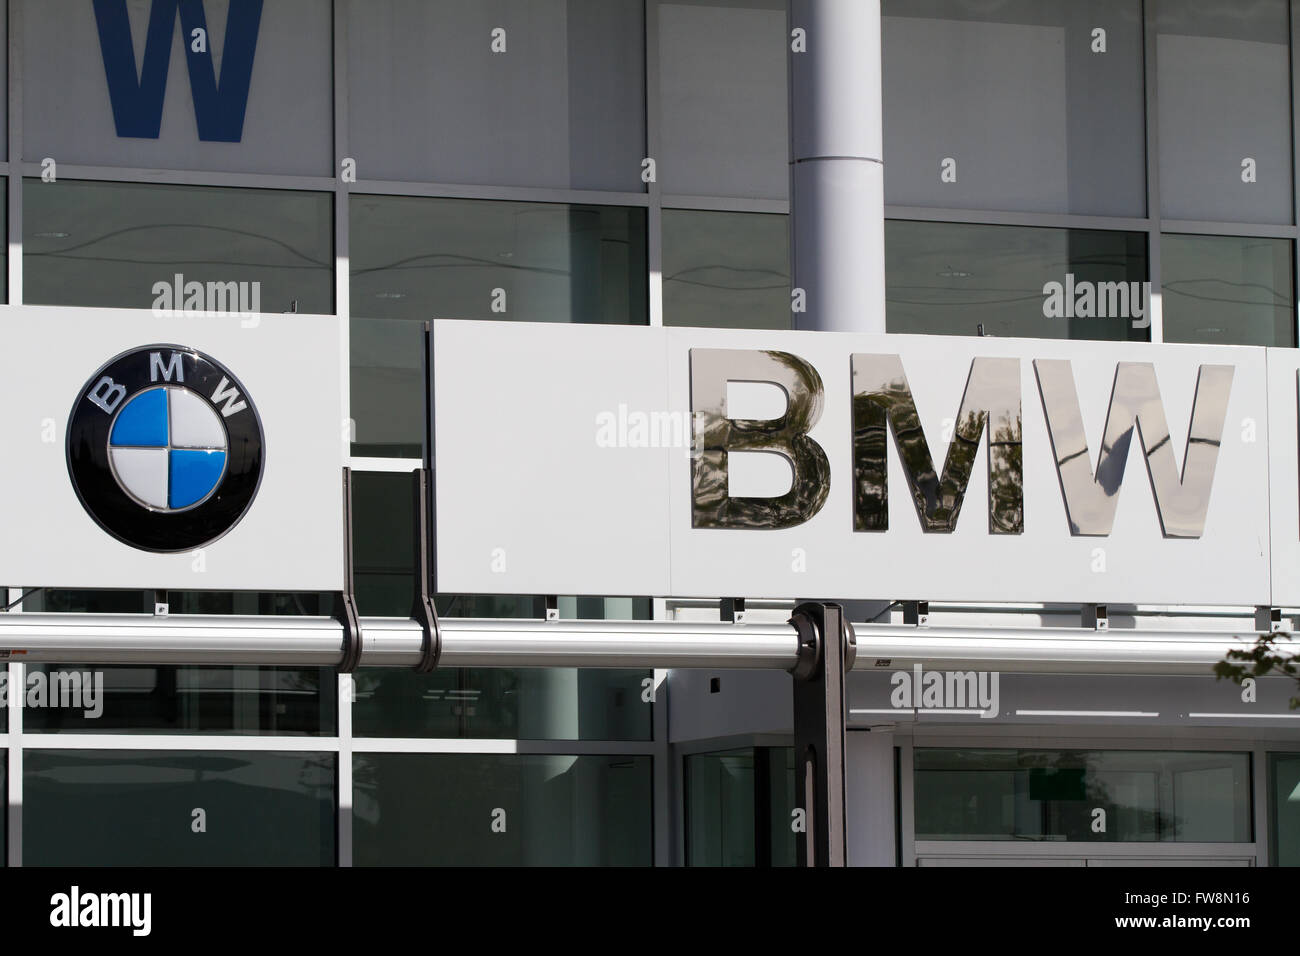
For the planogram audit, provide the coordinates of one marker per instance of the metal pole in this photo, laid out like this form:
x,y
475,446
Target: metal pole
x,y
469,642
819,718
837,182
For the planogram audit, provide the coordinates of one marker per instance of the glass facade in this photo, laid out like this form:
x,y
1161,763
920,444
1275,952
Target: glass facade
x,y
620,162
1114,796
739,807
178,808
504,810
1284,802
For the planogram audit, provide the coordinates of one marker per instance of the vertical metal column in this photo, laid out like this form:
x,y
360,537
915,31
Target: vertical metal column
x,y
837,181
824,657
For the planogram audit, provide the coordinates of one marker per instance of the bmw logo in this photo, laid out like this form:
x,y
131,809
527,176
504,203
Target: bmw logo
x,y
165,448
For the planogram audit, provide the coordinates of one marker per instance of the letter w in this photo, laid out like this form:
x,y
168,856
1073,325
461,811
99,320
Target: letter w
x,y
1181,499
219,106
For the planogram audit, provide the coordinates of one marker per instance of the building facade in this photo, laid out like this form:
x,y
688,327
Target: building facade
x,y
1113,170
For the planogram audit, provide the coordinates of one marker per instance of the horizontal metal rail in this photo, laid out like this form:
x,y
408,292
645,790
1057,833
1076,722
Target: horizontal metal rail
x,y
469,642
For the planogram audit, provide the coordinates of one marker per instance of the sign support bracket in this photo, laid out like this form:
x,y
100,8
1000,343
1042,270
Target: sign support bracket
x,y
423,609
827,648
346,606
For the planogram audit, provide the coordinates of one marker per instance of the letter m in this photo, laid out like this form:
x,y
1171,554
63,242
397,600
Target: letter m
x,y
882,402
137,97
173,367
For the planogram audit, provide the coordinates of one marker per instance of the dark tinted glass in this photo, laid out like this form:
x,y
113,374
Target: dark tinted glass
x,y
502,810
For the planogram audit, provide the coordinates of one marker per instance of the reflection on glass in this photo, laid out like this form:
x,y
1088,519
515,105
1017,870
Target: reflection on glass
x,y
553,810
206,700
1284,776
215,700
564,108
726,269
722,95
136,808
951,278
1224,89
415,259
1146,796
738,806
107,244
1016,95
1228,290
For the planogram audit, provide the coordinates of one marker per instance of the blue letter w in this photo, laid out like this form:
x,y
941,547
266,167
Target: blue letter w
x,y
138,103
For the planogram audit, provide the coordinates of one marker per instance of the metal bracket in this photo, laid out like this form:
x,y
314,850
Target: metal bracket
x,y
827,648
1094,616
423,609
732,610
346,608
1268,620
916,613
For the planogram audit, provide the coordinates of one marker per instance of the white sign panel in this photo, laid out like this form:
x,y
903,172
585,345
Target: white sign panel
x,y
196,451
695,462
1284,473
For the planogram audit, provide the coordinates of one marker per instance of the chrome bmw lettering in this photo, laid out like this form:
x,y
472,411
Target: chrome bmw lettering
x,y
1181,499
716,436
882,402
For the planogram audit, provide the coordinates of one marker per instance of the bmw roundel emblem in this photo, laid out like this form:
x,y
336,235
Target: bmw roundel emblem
x,y
165,448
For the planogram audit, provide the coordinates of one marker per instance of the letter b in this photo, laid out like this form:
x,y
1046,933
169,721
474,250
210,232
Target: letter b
x,y
718,436
107,394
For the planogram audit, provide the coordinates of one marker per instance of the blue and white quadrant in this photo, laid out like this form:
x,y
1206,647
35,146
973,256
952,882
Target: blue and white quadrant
x,y
168,448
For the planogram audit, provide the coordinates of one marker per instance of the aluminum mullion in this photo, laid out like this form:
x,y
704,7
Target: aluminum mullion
x,y
226,743
1155,304
1047,220
14,817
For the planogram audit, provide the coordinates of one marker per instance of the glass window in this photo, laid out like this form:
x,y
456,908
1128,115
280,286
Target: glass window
x,y
726,269
415,259
178,808
951,278
541,703
558,98
1227,289
211,700
501,810
109,244
1145,796
1224,100
1284,776
738,807
1016,104
723,98
101,89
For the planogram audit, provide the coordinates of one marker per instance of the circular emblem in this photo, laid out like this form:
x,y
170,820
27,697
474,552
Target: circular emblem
x,y
165,448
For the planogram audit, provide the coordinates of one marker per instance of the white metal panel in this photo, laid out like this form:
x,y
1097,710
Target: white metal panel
x,y
290,538
517,411
527,501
